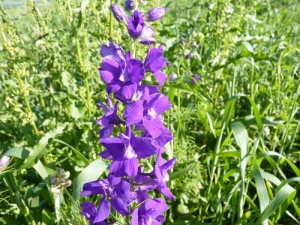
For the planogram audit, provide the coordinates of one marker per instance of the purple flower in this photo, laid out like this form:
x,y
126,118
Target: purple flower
x,y
114,189
89,211
147,111
188,56
155,13
119,13
195,78
154,63
120,72
125,151
173,77
3,162
110,118
146,37
150,212
129,5
136,24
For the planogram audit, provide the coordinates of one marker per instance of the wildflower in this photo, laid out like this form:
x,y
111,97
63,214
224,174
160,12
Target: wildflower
x,y
125,151
136,24
3,162
146,37
147,111
154,63
129,5
89,211
173,77
188,56
109,120
150,212
120,72
115,192
119,13
195,78
155,13
194,45
59,180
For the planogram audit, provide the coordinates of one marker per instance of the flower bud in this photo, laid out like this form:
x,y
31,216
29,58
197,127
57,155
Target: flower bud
x,y
188,56
3,162
129,5
55,190
155,13
119,13
195,78
173,77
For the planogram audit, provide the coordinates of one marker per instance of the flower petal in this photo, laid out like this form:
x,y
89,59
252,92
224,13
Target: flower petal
x,y
110,70
152,128
133,113
103,210
160,77
119,206
127,167
144,147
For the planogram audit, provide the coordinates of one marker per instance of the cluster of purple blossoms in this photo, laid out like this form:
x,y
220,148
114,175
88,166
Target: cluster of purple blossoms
x,y
140,128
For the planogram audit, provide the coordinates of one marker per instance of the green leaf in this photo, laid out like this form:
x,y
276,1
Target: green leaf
x,y
262,192
92,172
286,192
40,148
241,136
74,111
179,173
77,152
248,46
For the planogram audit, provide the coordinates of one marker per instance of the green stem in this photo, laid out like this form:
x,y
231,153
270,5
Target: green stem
x,y
111,22
9,181
86,81
69,195
25,98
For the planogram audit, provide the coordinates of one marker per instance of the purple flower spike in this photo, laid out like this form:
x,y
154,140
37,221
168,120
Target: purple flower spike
x,y
155,13
129,5
119,13
136,24
154,63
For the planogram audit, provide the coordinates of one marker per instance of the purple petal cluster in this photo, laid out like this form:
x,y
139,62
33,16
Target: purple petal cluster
x,y
132,130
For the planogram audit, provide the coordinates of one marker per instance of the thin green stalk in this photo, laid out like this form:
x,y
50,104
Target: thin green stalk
x,y
11,184
25,98
69,195
111,22
86,81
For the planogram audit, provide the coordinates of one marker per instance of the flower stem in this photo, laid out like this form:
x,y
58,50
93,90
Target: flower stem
x,y
86,81
111,22
25,98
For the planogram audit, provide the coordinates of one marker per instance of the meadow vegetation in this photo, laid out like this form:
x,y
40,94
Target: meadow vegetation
x,y
236,129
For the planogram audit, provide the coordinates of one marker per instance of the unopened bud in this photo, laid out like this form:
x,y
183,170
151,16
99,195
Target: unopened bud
x,y
3,162
119,13
155,13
